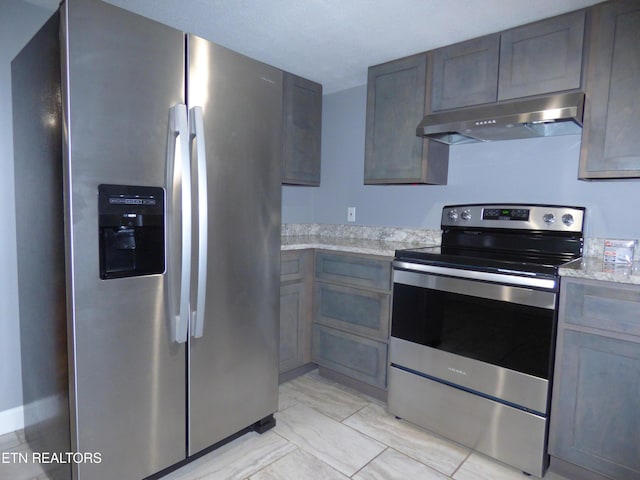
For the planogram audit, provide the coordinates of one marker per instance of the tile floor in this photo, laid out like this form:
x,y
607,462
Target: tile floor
x,y
324,431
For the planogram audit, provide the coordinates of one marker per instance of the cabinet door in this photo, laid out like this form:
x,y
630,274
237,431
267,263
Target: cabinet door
x,y
351,355
466,73
610,140
302,131
358,311
294,327
542,57
395,105
594,417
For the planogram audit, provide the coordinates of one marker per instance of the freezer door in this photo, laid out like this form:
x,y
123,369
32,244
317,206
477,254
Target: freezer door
x,y
234,363
122,76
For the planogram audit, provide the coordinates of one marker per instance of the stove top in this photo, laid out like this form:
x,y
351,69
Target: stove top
x,y
521,239
483,260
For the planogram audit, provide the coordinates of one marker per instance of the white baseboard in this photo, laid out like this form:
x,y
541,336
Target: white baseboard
x,y
11,420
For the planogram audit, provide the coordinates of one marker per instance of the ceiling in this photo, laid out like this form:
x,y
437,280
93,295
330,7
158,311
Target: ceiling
x,y
334,41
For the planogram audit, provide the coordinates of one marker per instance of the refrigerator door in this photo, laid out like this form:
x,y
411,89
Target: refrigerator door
x,y
234,364
122,74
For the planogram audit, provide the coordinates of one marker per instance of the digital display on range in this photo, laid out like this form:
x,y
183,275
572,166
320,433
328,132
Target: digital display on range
x,y
505,214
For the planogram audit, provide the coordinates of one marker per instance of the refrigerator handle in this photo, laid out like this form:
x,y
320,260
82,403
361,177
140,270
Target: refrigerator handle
x,y
197,131
179,193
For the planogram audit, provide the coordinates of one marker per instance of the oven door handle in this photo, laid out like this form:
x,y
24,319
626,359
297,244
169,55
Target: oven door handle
x,y
464,286
507,277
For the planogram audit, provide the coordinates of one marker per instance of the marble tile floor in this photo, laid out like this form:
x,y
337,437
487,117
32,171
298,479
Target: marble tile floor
x,y
324,431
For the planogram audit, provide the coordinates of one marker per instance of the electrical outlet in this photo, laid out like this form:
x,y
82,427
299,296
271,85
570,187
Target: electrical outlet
x,y
351,214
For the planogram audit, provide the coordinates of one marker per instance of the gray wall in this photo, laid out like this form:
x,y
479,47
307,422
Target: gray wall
x,y
536,170
18,22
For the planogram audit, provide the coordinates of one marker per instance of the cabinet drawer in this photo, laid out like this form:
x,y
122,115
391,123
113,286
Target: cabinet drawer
x,y
354,270
606,306
356,357
362,312
294,265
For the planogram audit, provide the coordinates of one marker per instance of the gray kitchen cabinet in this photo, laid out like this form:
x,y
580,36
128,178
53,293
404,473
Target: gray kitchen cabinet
x,y
295,309
351,315
354,270
542,57
363,312
302,126
465,73
396,103
533,59
594,415
610,141
359,358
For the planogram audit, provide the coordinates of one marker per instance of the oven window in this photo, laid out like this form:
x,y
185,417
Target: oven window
x,y
517,337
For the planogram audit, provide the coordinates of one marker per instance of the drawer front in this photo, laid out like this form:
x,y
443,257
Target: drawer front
x,y
359,358
294,265
602,305
362,312
354,270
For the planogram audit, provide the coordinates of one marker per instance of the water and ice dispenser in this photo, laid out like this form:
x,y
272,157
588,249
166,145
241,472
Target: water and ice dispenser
x,y
131,221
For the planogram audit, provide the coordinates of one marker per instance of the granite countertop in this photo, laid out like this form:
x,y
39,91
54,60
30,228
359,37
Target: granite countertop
x,y
382,241
349,245
594,268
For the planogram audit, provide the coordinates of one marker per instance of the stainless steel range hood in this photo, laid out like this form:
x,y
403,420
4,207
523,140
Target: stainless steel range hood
x,y
559,114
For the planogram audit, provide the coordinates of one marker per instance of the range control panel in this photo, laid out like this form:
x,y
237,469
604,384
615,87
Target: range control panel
x,y
515,216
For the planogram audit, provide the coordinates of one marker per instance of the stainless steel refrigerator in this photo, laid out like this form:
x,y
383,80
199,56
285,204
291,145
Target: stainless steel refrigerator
x,y
147,176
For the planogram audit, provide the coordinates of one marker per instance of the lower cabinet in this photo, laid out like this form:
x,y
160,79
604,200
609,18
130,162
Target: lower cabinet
x,y
357,357
335,311
596,395
351,315
295,309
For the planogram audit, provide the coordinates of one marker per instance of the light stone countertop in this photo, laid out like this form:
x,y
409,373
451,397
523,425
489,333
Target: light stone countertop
x,y
594,268
384,241
381,241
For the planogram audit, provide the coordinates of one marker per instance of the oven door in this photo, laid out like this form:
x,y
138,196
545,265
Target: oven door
x,y
487,337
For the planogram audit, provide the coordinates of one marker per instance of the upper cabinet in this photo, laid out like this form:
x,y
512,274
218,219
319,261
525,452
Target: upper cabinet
x,y
301,131
465,73
610,141
534,59
396,101
542,57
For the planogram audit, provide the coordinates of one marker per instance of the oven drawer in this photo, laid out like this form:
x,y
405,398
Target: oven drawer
x,y
508,434
357,357
354,270
363,312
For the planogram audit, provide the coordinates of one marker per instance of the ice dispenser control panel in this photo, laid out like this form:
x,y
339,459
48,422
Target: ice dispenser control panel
x,y
131,230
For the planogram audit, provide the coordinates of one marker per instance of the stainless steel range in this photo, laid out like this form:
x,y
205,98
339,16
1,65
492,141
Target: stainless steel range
x,y
473,327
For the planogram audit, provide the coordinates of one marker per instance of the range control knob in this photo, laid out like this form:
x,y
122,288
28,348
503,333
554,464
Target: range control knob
x,y
466,215
453,214
549,218
567,219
